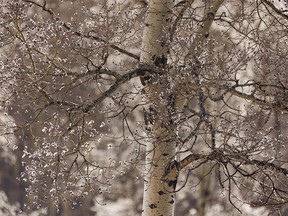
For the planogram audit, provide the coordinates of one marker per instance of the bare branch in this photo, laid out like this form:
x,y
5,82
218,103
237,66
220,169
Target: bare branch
x,y
88,36
119,81
275,9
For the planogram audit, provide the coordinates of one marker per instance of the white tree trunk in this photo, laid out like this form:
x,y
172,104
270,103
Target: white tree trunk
x,y
161,169
157,24
158,194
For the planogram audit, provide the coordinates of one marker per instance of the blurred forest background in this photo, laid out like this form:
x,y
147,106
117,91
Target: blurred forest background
x,y
54,59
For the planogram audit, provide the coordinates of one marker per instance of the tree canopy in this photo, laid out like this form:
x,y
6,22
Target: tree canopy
x,y
99,94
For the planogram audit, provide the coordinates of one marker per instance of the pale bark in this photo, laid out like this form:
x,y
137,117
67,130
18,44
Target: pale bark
x,y
157,22
158,194
161,169
204,196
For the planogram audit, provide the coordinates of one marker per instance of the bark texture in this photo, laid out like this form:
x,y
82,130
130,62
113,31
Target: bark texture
x,y
159,193
161,168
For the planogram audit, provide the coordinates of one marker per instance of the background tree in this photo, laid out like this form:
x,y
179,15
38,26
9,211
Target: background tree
x,y
191,95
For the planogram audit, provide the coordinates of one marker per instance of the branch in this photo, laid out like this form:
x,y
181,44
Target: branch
x,y
250,97
245,161
191,158
87,107
96,38
119,81
203,31
279,105
220,156
268,165
180,16
274,8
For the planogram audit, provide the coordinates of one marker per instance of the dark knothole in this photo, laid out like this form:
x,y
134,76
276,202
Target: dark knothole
x,y
160,61
152,206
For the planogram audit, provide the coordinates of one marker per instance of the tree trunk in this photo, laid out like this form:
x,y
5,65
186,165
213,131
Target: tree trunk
x,y
158,193
161,168
204,196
